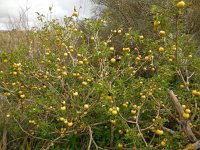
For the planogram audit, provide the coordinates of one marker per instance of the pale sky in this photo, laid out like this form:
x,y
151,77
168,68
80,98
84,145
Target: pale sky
x,y
12,8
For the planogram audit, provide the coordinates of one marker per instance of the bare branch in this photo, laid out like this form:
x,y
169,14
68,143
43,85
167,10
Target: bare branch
x,y
185,123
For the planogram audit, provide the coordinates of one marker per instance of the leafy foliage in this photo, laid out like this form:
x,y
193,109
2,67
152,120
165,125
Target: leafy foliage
x,y
76,86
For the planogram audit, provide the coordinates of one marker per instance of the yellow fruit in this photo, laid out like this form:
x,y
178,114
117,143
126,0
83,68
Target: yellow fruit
x,y
141,37
114,112
113,122
194,92
150,93
188,111
180,4
186,115
112,48
65,121
162,33
126,49
62,119
63,108
163,143
64,73
125,105
120,145
133,112
156,23
84,83
80,62
69,124
75,94
22,96
159,132
86,106
190,147
184,106
119,31
65,54
5,60
120,132
113,60
161,49
75,13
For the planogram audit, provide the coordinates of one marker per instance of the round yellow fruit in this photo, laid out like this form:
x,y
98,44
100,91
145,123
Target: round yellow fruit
x,y
188,111
161,49
159,132
180,4
86,106
75,13
133,112
84,83
112,48
65,54
162,33
114,112
156,23
163,143
184,106
63,108
120,145
113,122
69,124
186,115
113,60
22,96
141,37
75,94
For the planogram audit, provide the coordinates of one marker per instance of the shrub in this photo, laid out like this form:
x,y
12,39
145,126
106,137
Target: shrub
x,y
73,88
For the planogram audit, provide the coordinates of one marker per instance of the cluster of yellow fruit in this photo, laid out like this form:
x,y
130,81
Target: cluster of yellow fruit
x,y
17,66
32,121
62,132
114,110
21,94
117,31
163,142
157,131
196,93
125,104
126,49
187,112
65,121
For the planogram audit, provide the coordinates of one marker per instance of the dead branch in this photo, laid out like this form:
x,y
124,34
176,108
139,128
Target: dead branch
x,y
184,122
168,130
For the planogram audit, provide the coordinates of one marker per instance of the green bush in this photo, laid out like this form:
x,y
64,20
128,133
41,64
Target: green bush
x,y
75,88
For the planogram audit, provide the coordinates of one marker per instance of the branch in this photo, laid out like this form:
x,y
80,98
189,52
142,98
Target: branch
x,y
185,123
169,130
